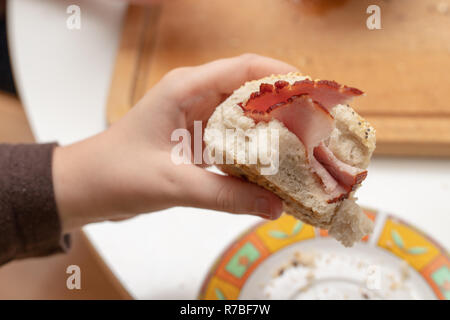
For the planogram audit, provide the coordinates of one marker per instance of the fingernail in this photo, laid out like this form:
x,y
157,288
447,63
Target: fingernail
x,y
277,211
262,206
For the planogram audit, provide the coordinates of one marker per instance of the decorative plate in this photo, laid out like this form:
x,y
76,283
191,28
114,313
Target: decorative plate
x,y
287,259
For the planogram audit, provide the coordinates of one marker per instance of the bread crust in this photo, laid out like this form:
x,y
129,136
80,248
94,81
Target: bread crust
x,y
290,205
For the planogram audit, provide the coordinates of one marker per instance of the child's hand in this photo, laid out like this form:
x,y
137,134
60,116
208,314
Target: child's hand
x,y
128,169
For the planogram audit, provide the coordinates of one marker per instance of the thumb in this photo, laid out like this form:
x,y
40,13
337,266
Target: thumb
x,y
225,193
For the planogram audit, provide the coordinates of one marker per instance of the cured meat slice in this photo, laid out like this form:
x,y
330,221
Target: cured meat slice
x,y
304,108
327,93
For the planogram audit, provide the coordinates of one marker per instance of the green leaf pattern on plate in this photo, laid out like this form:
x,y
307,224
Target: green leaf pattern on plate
x,y
220,294
283,235
397,239
278,234
400,243
297,228
417,250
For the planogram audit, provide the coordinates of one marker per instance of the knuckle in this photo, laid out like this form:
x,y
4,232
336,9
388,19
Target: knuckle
x,y
176,78
175,73
249,57
226,199
251,62
175,82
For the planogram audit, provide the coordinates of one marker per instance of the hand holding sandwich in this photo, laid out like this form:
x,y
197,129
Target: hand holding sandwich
x,y
127,169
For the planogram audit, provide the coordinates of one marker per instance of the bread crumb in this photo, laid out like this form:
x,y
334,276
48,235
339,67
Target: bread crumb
x,y
405,271
305,259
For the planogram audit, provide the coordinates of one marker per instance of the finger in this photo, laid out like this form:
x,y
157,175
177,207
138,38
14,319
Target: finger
x,y
225,193
226,75
223,76
200,89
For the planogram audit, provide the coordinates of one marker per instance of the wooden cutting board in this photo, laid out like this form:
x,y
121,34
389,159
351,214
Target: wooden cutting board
x,y
404,68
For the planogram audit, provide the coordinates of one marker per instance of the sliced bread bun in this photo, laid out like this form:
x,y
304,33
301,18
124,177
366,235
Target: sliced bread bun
x,y
352,141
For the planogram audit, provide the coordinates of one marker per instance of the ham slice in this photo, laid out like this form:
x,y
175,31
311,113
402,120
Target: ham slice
x,y
327,93
347,175
304,108
307,119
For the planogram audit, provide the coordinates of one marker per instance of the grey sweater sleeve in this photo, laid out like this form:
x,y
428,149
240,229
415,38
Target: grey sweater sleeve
x,y
29,220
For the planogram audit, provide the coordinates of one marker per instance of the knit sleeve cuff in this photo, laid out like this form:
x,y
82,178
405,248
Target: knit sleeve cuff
x,y
32,227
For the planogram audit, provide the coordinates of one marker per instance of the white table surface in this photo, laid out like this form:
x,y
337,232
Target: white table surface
x,y
63,78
